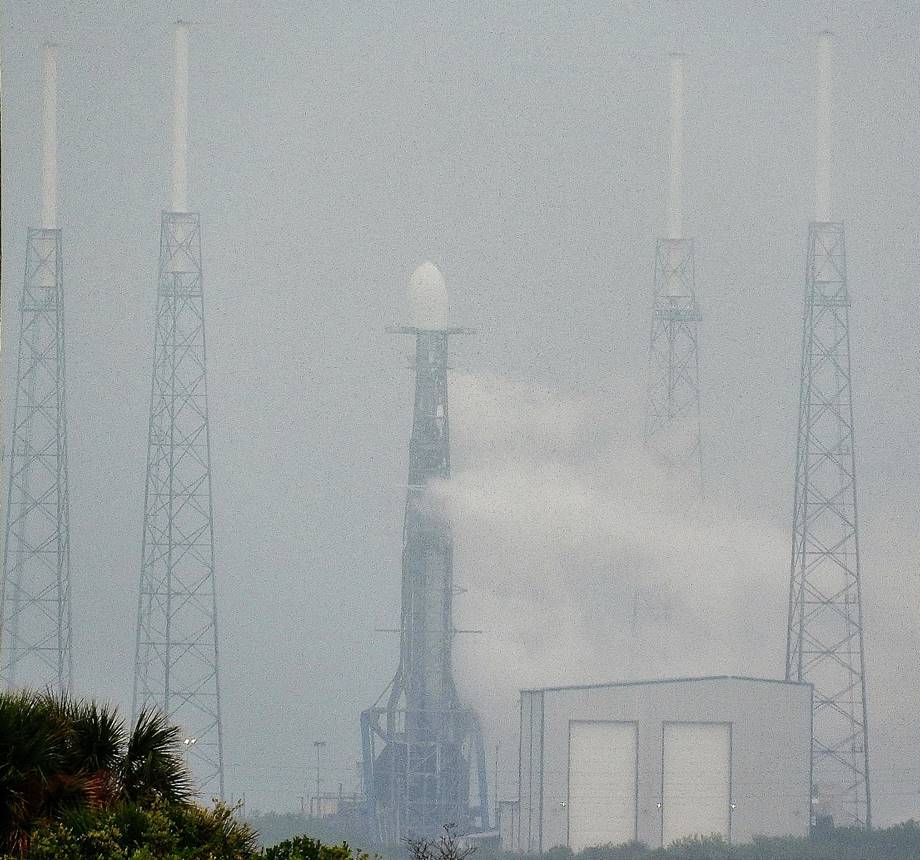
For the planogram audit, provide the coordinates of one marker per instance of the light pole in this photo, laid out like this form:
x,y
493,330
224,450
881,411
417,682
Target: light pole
x,y
495,784
188,742
318,745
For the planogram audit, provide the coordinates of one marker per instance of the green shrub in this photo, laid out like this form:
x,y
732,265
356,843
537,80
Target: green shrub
x,y
305,848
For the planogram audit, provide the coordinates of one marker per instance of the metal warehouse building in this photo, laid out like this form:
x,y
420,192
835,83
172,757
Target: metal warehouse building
x,y
660,760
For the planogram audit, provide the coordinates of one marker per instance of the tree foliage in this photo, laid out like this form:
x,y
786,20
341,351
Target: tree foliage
x,y
75,782
346,825
446,846
305,848
127,831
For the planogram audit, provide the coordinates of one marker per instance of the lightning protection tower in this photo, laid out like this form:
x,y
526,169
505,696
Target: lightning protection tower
x,y
825,625
672,416
35,614
423,750
176,662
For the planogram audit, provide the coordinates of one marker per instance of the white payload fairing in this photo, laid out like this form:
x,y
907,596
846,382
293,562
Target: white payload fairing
x,y
427,298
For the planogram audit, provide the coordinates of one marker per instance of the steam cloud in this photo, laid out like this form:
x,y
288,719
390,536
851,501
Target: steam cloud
x,y
584,562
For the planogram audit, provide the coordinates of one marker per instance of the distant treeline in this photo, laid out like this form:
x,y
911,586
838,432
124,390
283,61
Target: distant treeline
x,y
275,827
901,842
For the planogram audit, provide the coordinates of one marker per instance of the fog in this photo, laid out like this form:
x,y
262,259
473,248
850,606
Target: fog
x,y
522,148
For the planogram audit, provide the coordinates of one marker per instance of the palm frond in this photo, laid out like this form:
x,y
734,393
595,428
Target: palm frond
x,y
152,766
98,737
31,755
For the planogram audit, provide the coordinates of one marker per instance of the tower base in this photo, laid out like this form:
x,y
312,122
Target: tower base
x,y
419,769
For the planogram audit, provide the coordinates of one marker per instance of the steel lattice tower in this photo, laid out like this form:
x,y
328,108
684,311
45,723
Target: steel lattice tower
x,y
176,663
672,415
825,624
35,611
672,420
825,632
421,745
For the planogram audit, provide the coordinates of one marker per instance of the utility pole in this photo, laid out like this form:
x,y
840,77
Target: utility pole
x,y
318,746
495,783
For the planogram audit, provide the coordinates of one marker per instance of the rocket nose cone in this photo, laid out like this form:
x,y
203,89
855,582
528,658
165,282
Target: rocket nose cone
x,y
427,297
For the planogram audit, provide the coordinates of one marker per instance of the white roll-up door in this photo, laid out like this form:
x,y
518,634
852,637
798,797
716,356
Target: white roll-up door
x,y
696,781
602,783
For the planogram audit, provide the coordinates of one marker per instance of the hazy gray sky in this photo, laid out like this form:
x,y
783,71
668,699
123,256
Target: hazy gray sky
x,y
522,147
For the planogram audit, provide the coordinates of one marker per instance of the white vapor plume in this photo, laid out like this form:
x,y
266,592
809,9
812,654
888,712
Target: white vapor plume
x,y
584,562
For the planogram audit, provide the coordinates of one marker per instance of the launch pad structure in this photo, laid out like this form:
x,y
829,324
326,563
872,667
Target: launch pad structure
x,y
423,750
